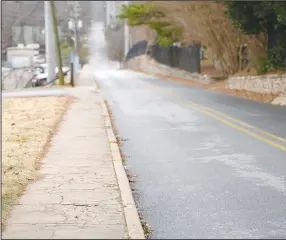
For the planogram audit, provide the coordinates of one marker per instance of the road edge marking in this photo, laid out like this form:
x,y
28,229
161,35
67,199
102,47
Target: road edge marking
x,y
230,124
220,117
242,123
132,220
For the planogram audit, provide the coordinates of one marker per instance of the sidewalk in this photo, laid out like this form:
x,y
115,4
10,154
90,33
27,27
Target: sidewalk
x,y
80,194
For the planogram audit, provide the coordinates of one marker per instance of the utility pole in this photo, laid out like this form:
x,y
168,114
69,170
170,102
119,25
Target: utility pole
x,y
110,11
126,35
75,16
58,44
113,11
74,25
50,43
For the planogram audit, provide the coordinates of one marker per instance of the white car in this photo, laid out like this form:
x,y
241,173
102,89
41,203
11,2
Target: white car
x,y
41,74
45,67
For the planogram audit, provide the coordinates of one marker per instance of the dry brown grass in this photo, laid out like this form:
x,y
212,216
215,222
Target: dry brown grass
x,y
27,125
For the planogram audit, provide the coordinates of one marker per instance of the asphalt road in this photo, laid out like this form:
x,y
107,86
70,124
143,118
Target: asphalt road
x,y
207,165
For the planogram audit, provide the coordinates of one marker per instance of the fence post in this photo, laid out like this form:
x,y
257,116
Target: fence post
x,y
72,75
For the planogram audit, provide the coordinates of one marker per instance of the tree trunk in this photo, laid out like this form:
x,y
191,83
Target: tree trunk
x,y
271,36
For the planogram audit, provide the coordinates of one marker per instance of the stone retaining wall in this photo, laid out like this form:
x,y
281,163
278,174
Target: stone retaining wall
x,y
151,66
275,84
16,78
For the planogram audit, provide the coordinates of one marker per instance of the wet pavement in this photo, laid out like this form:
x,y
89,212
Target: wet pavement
x,y
207,165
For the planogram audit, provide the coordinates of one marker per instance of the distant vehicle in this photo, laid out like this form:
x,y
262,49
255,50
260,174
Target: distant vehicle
x,y
41,74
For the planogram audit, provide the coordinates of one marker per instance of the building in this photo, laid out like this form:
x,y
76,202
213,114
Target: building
x,y
24,21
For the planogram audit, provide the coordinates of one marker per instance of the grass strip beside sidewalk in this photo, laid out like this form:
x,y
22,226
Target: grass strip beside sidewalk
x,y
27,127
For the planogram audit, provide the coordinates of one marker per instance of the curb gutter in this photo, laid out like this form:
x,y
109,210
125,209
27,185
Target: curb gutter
x,y
134,227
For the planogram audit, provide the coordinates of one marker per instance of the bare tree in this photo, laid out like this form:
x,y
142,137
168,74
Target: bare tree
x,y
205,22
21,13
10,17
18,13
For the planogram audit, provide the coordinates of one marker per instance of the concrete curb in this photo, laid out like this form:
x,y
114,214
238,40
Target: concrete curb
x,y
134,227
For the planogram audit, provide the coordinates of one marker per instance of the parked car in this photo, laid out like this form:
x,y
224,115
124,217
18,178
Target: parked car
x,y
41,74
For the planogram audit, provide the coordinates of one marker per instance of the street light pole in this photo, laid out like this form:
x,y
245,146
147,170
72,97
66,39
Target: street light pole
x,y
107,13
50,43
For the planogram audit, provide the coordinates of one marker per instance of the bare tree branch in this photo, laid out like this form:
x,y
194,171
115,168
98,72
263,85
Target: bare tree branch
x,y
16,18
7,32
206,22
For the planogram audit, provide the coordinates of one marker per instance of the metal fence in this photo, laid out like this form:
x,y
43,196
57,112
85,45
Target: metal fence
x,y
184,58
